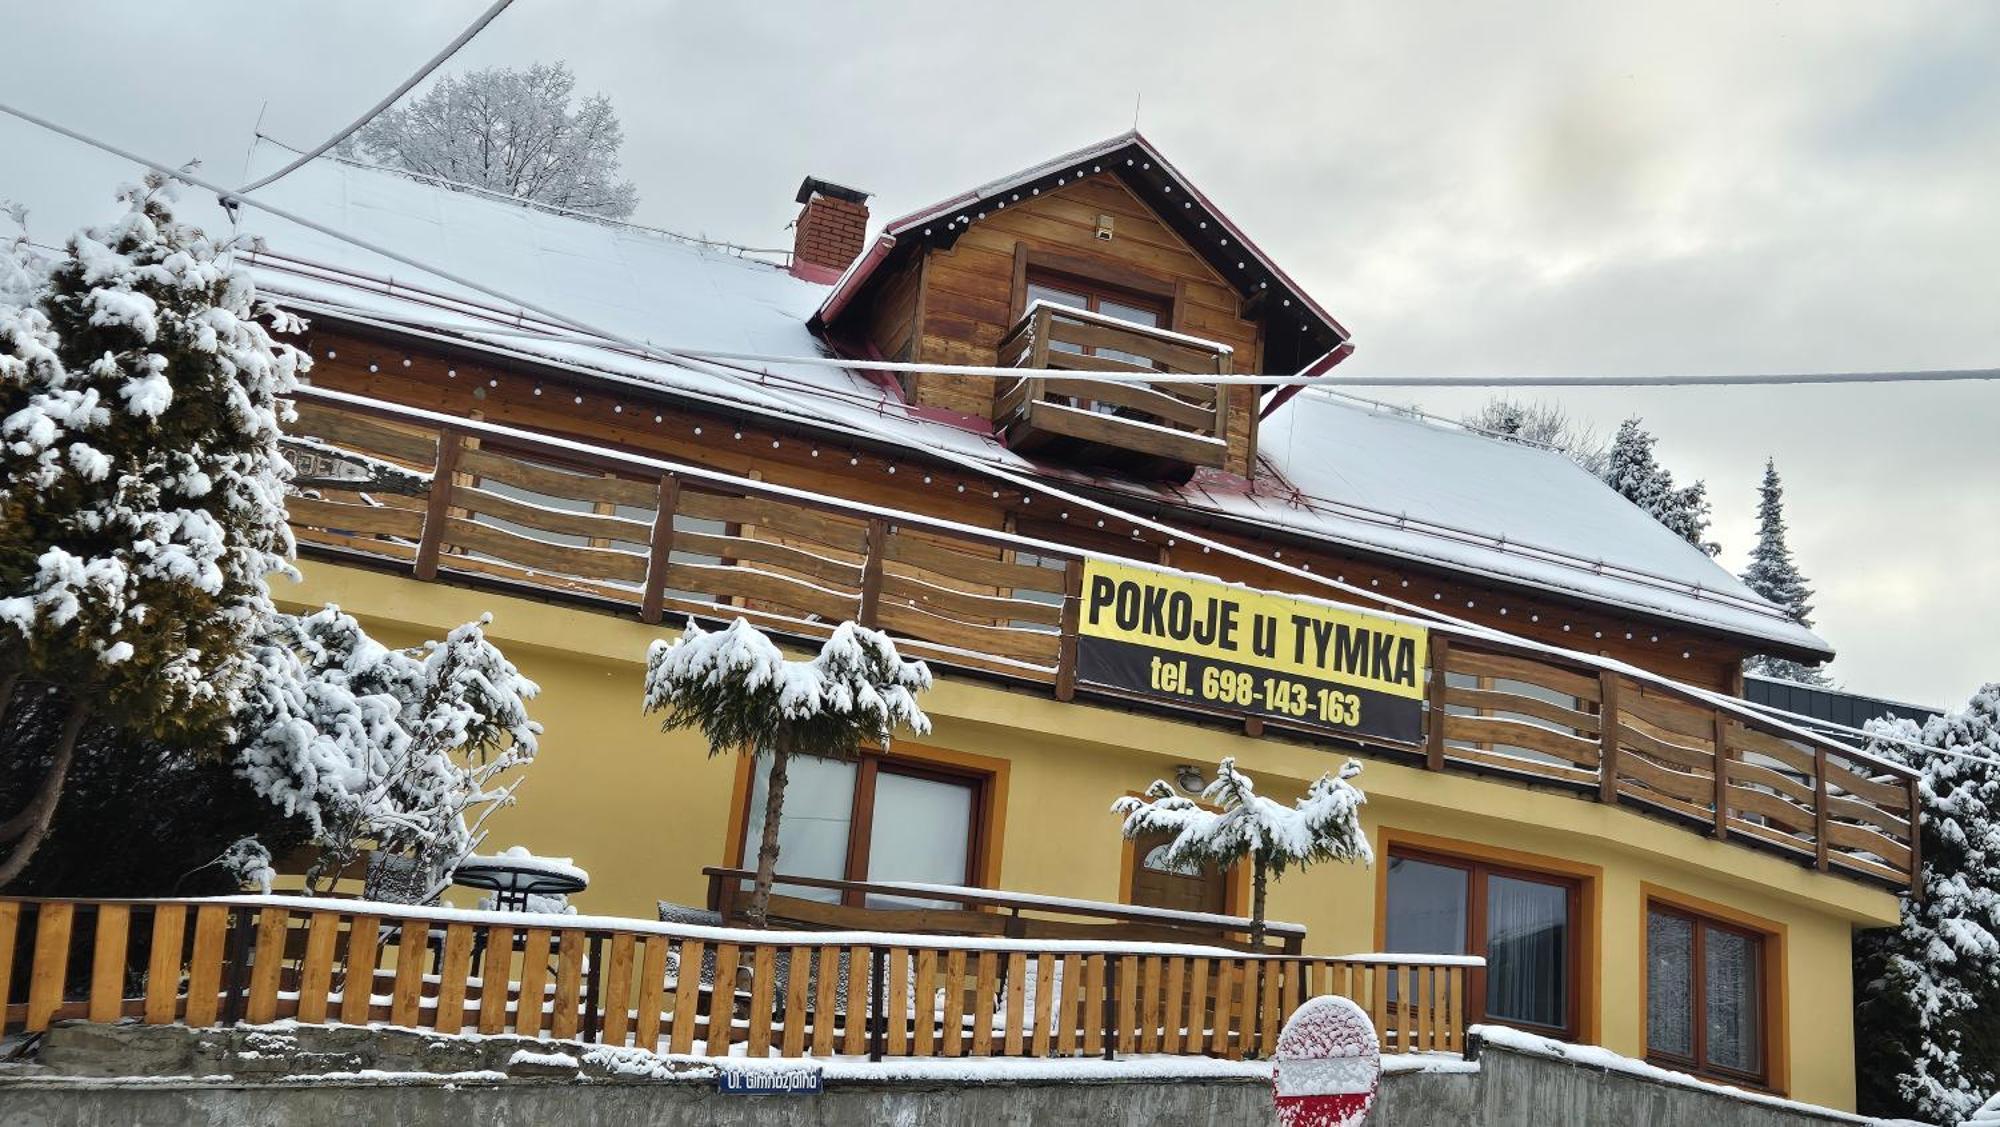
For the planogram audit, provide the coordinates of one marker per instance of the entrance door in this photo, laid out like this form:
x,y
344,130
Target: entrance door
x,y
1156,884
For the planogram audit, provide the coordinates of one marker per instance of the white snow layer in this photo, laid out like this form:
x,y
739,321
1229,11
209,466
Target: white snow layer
x,y
1381,483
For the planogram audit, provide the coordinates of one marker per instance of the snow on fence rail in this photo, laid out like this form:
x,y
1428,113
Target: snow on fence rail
x,y
672,988
447,496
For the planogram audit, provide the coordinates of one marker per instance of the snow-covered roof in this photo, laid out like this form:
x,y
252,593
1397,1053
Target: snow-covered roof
x,y
1345,474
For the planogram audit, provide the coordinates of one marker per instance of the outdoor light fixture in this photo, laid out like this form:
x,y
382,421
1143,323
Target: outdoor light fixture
x,y
1189,778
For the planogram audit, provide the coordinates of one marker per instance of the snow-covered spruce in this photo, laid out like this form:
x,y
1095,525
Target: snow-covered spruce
x,y
1632,470
1324,825
1773,575
140,482
401,748
1928,991
744,695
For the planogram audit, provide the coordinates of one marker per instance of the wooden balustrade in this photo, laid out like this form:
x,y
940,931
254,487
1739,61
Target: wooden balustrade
x,y
685,990
1646,745
1175,424
448,497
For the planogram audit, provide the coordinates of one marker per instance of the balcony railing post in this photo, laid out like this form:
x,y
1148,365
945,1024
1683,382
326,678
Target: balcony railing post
x,y
1819,807
1072,614
871,572
1607,736
1434,737
438,510
1721,738
1224,365
660,555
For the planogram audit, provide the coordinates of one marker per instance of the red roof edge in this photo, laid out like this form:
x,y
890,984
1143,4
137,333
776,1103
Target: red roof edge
x,y
1319,367
850,281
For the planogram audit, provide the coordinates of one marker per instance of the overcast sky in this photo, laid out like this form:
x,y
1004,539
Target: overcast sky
x,y
1494,189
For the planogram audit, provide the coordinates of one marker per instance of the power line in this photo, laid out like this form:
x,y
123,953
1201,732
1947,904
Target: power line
x,y
422,73
1722,702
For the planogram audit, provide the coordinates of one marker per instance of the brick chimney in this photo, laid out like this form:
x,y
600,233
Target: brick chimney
x,y
830,230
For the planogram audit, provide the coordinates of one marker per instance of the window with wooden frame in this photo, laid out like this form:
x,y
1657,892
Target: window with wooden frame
x,y
1525,924
1151,310
1707,1004
877,818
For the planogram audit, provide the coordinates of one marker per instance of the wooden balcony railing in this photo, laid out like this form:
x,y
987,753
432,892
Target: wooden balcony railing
x,y
954,910
441,496
684,990
1168,426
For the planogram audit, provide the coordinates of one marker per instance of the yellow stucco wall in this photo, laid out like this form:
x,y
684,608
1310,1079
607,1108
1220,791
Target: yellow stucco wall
x,y
644,811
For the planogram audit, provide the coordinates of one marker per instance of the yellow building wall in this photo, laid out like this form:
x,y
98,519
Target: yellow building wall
x,y
644,811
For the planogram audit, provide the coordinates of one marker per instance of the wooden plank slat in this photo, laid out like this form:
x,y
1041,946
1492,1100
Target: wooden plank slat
x,y
1128,987
316,969
50,965
954,1003
1889,796
1197,1005
687,995
854,1041
1746,738
1680,784
10,929
107,962
1420,996
722,1000
840,574
542,555
617,1024
1493,700
1637,738
1176,985
266,965
825,1000
535,949
357,983
749,583
924,1006
1403,1009
651,999
453,970
1149,1004
342,428
379,520
946,601
1092,1015
542,518
948,560
1581,752
1048,1004
763,993
405,1008
1165,409
1088,426
1225,979
163,966
1269,1007
1864,840
1021,644
984,995
1678,717
211,927
1068,1019
1017,986
797,980
564,1017
1584,687
496,973
487,462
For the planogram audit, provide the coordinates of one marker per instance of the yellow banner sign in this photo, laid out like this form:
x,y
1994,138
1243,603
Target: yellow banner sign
x,y
1202,641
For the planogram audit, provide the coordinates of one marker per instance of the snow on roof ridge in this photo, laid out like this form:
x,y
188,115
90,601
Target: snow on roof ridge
x,y
431,180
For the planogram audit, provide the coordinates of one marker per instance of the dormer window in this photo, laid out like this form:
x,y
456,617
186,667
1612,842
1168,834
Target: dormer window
x,y
1125,305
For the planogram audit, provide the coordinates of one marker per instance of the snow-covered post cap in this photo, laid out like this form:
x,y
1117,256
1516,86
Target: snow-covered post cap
x,y
1327,1065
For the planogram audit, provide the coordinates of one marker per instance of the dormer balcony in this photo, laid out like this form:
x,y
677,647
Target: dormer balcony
x,y
1154,429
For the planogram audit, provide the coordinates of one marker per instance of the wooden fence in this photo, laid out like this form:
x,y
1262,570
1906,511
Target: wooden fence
x,y
684,990
440,497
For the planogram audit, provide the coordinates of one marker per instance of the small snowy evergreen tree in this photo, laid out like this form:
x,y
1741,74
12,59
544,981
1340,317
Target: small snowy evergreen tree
x,y
1542,424
140,484
512,131
1928,992
1773,575
1324,825
399,748
739,689
1634,472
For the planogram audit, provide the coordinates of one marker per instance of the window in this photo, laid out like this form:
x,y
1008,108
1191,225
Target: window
x,y
1076,293
1524,924
874,819
1705,985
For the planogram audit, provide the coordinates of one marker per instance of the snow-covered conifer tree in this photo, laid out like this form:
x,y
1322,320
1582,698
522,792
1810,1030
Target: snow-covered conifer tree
x,y
401,748
1324,825
744,695
141,484
1634,472
1928,992
1773,575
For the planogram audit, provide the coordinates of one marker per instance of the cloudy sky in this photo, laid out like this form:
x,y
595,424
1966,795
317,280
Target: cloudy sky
x,y
1473,189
